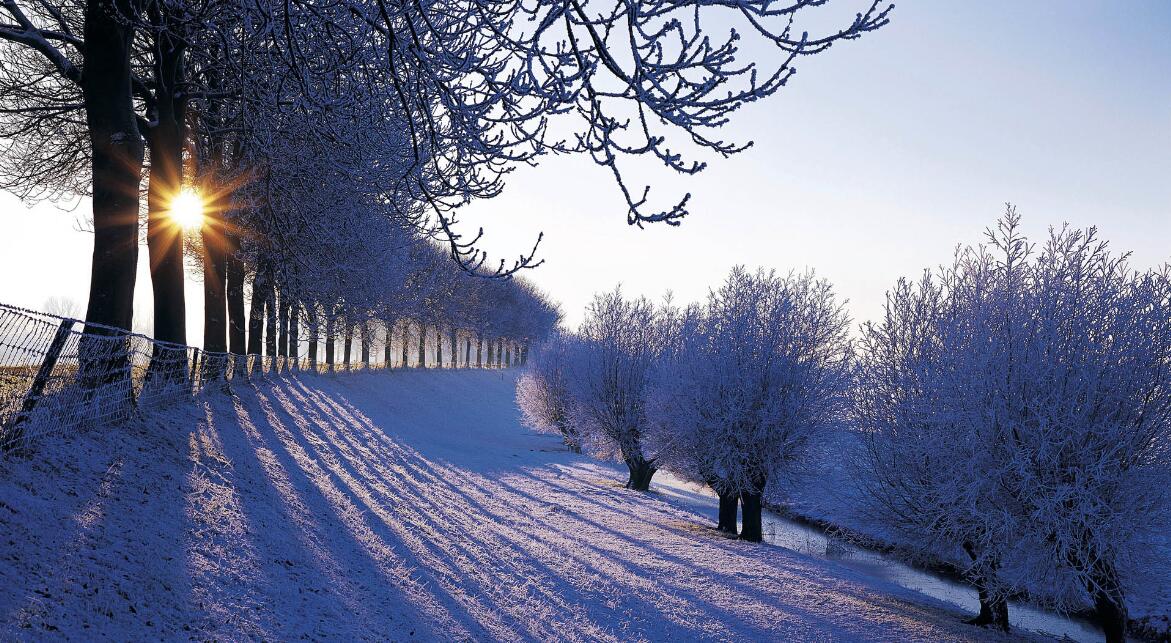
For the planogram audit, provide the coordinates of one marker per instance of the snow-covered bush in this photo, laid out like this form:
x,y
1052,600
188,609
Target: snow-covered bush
x,y
757,376
1018,406
609,368
542,391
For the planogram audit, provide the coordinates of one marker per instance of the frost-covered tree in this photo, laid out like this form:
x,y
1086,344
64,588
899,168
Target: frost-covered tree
x,y
542,391
933,475
610,370
1019,408
759,376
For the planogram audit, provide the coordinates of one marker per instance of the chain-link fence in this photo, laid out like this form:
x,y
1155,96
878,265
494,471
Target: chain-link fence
x,y
57,373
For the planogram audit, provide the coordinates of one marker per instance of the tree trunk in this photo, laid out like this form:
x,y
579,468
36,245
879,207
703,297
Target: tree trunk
x,y
164,236
260,290
294,333
329,342
348,347
214,241
422,346
750,508
454,350
489,354
387,350
993,607
283,341
728,507
993,610
116,152
468,353
215,322
1109,602
235,278
479,351
405,345
364,337
270,319
314,334
569,438
641,471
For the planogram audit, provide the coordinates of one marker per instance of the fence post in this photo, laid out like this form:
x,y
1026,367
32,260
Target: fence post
x,y
12,433
230,366
196,375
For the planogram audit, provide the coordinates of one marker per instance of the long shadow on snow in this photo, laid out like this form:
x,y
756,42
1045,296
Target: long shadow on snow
x,y
424,467
350,573
386,529
87,572
423,506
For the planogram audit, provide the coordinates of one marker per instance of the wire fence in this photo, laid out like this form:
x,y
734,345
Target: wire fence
x,y
59,374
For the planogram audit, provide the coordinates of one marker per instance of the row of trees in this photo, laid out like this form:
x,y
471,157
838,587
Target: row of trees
x,y
1014,408
435,315
731,394
332,140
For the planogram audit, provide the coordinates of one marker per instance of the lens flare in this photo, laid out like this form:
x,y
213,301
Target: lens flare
x,y
187,210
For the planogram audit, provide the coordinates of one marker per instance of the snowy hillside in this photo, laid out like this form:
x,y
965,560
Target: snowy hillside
x,y
389,507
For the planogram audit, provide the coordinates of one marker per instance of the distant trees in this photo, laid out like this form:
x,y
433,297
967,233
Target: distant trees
x,y
760,374
1018,406
62,307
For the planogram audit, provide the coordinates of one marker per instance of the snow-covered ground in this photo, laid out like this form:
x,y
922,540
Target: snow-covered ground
x,y
391,506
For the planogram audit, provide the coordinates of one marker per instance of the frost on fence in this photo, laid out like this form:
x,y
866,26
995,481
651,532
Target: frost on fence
x,y
56,375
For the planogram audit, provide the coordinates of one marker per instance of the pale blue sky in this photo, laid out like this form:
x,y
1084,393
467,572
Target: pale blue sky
x,y
874,163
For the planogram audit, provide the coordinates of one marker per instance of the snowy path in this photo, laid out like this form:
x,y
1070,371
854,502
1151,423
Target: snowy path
x,y
390,506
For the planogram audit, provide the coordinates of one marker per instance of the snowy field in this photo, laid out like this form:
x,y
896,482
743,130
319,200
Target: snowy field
x,y
390,507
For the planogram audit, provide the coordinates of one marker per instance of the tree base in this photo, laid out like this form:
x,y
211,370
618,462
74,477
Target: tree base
x,y
751,530
641,473
727,518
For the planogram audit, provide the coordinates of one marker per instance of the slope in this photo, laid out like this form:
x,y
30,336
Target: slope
x,y
391,506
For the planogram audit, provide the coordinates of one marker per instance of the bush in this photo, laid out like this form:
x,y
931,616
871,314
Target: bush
x,y
542,391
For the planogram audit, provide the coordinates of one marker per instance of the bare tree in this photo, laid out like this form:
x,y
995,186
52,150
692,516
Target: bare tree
x,y
63,307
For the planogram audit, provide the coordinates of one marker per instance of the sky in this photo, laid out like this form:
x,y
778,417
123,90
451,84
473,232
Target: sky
x,y
878,159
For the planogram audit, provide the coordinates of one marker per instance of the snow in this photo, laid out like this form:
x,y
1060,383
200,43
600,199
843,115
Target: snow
x,y
386,506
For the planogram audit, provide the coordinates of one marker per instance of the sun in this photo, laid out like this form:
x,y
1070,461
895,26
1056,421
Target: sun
x,y
187,210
